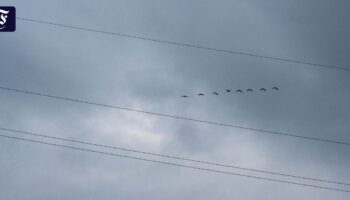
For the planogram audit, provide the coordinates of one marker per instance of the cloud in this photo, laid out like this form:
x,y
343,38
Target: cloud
x,y
144,75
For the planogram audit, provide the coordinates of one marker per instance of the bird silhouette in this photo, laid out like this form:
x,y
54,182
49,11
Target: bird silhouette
x,y
228,90
240,91
263,89
249,90
200,94
215,93
184,96
275,88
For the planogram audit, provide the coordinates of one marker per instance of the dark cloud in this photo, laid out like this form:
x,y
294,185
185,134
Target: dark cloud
x,y
311,101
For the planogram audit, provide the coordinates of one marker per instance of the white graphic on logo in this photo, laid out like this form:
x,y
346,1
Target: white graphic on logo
x,y
3,17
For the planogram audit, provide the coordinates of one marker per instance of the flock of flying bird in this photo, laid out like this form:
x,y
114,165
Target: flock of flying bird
x,y
237,91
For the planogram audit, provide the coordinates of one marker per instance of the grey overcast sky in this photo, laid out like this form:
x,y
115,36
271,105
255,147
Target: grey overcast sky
x,y
139,74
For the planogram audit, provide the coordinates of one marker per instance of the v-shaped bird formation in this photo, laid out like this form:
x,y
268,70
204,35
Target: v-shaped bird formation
x,y
240,91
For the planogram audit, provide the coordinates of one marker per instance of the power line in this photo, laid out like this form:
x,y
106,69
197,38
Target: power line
x,y
185,44
175,164
172,157
256,130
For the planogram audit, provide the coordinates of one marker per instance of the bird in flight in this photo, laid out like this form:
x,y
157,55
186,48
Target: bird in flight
x,y
275,88
228,90
249,90
200,94
184,96
215,93
263,89
240,91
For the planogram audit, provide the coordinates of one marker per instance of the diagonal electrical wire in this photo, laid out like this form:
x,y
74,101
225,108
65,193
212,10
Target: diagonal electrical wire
x,y
175,164
185,44
172,157
255,130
